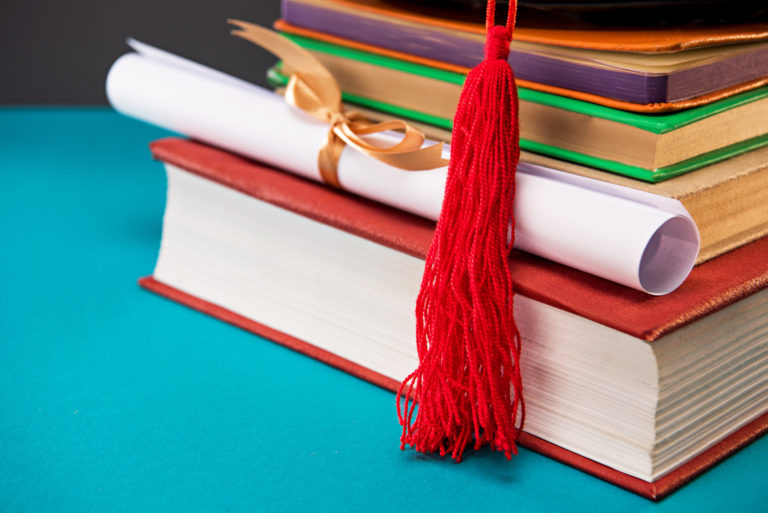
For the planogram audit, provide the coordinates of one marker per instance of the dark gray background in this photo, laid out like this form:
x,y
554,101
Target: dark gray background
x,y
59,51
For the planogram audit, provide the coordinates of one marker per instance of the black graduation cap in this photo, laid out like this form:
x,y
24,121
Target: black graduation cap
x,y
615,13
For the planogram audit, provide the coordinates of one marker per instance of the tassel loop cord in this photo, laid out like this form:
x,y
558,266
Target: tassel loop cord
x,y
490,17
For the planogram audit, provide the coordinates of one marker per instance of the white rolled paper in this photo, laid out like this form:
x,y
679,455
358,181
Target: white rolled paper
x,y
641,240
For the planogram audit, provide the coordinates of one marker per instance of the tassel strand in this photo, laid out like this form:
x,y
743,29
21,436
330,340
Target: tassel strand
x,y
468,385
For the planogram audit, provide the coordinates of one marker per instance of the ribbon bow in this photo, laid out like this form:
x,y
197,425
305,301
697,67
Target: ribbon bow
x,y
313,89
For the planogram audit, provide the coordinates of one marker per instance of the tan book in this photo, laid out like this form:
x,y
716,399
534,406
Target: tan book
x,y
728,199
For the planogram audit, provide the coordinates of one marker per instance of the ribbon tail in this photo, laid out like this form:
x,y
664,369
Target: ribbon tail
x,y
295,57
429,157
328,159
301,95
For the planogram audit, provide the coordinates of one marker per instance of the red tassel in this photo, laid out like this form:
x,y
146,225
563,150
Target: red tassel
x,y
468,384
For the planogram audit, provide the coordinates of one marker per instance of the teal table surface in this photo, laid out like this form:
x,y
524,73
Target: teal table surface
x,y
114,399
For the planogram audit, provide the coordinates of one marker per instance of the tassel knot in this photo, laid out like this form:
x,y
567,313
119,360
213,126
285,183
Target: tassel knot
x,y
497,43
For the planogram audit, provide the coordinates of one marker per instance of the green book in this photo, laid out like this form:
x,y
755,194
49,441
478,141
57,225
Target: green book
x,y
650,147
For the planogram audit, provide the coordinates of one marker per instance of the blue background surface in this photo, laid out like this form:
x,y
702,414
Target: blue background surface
x,y
114,399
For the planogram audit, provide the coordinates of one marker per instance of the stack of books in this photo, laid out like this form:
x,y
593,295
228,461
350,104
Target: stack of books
x,y
652,105
645,392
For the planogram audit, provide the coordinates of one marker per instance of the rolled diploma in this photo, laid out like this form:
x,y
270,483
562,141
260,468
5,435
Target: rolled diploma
x,y
638,239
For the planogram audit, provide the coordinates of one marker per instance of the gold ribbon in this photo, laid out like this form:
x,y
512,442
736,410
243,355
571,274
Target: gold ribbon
x,y
313,89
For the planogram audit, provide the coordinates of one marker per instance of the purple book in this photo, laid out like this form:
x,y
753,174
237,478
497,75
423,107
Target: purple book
x,y
544,64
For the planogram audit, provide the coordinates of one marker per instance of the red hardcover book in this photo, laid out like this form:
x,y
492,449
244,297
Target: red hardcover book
x,y
278,255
